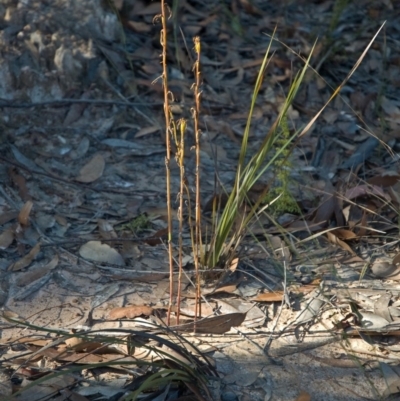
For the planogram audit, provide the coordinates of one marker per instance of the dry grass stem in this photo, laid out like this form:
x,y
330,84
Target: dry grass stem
x,y
167,113
179,135
197,246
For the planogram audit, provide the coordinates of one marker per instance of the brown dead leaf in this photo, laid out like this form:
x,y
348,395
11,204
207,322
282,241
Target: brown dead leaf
x,y
75,111
365,190
23,217
156,238
32,275
213,325
229,289
189,308
396,259
326,209
333,239
386,179
10,314
130,312
383,267
303,396
363,226
34,341
269,297
82,358
92,170
234,264
20,182
26,260
344,234
137,26
6,238
7,216
146,131
81,345
106,230
304,289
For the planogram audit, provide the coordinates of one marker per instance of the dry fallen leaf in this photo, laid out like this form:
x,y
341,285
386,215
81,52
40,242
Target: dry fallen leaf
x,y
24,213
20,182
386,179
103,253
147,130
344,234
269,297
32,275
130,312
372,321
79,344
396,259
303,396
26,260
384,268
92,170
365,190
6,238
106,229
335,240
213,325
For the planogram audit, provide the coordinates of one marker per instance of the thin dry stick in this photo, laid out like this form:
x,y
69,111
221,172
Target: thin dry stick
x,y
196,113
180,157
167,113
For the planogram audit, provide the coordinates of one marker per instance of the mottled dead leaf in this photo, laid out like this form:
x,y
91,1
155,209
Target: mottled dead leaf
x,y
103,253
130,312
24,213
20,182
269,297
333,239
213,325
93,170
365,190
344,234
26,260
32,275
386,179
384,267
303,396
6,238
106,229
147,131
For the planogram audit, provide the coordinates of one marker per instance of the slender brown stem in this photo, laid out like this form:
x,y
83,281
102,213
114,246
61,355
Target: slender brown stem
x,y
196,114
180,158
167,113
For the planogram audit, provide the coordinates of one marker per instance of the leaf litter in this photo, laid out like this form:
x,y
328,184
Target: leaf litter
x,y
74,172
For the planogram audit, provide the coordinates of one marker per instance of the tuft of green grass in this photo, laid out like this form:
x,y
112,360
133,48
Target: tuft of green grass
x,y
226,239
